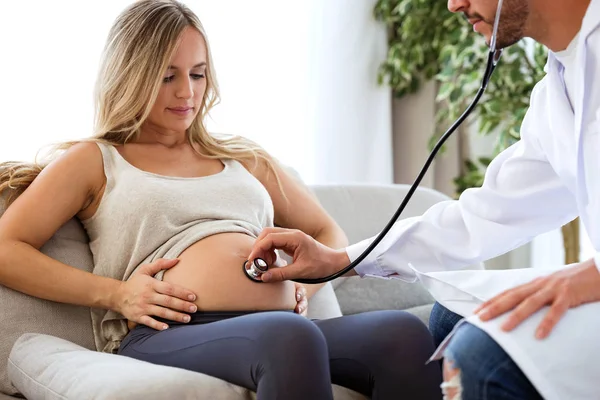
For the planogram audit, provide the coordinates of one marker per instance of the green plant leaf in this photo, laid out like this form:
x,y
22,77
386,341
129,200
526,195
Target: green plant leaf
x,y
444,91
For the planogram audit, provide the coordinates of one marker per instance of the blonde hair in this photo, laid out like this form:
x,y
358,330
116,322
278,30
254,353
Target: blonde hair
x,y
138,50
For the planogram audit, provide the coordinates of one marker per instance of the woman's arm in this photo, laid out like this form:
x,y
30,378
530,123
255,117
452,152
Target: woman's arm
x,y
297,208
59,192
62,190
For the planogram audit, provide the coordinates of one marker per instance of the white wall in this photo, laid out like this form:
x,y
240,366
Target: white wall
x,y
50,51
261,53
350,112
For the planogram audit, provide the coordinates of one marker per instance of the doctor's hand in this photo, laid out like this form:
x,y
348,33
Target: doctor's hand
x,y
311,259
569,288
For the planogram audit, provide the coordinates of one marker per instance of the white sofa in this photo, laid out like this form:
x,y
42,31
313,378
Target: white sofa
x,y
45,346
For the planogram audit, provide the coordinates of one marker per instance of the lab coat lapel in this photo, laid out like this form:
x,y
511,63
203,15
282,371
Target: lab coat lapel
x,y
557,101
558,107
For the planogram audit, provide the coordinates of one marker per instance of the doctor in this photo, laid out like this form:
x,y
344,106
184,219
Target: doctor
x,y
542,182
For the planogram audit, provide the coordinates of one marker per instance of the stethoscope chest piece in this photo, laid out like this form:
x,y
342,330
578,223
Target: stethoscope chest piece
x,y
255,269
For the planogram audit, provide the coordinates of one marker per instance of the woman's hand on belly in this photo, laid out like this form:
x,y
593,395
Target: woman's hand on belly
x,y
142,297
212,268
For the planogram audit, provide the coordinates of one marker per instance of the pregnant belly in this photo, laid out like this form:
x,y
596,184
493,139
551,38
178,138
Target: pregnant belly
x,y
212,268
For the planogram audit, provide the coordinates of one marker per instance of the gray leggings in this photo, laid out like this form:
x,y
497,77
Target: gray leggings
x,y
282,355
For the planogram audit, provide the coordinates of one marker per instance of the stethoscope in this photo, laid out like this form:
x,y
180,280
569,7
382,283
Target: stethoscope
x,y
259,266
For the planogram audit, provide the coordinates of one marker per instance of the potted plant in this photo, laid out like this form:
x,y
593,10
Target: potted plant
x,y
426,42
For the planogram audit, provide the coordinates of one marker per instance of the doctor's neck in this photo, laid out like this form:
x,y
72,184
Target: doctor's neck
x,y
555,23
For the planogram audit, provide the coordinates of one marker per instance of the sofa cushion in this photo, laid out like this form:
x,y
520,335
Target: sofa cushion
x,y
43,366
324,304
21,313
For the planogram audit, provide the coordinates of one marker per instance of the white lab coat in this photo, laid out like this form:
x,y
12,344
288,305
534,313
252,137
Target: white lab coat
x,y
545,180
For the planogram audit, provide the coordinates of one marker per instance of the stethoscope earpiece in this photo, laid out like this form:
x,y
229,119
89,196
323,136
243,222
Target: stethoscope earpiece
x,y
256,269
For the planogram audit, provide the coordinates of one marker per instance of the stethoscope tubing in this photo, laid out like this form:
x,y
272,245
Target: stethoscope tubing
x,y
492,62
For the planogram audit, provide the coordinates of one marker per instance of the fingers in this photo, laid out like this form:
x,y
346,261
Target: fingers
x,y
502,296
287,241
506,301
171,315
163,313
152,323
270,257
558,309
276,275
301,300
300,292
294,270
158,265
494,300
165,302
174,291
485,304
173,303
302,307
526,308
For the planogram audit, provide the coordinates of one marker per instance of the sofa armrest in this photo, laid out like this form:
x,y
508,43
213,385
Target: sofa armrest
x,y
357,295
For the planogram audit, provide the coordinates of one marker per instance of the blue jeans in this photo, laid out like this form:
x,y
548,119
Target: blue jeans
x,y
487,372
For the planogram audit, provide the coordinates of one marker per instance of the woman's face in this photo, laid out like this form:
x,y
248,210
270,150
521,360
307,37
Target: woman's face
x,y
183,87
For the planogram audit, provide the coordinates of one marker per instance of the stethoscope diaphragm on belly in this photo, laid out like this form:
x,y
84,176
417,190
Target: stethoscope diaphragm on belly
x,y
254,270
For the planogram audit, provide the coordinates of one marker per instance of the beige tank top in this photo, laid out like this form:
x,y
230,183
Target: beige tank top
x,y
143,216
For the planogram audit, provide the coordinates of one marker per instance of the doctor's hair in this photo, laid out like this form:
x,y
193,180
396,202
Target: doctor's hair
x,y
138,51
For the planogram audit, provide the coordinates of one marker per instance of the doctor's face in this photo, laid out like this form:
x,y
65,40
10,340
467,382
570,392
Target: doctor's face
x,y
481,14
